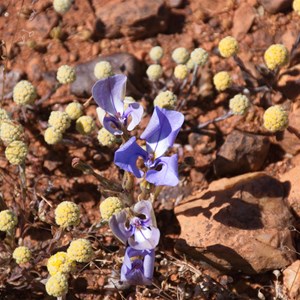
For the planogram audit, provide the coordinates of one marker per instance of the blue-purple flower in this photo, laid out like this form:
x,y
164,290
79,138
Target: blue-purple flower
x,y
109,94
159,135
138,267
136,226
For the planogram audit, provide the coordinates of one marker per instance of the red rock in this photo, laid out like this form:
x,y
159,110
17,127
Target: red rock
x,y
238,224
243,20
291,280
133,18
275,6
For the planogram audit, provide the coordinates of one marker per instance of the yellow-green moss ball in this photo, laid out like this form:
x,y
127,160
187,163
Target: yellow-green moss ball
x,y
16,152
80,250
57,285
8,220
60,263
190,64
109,207
24,93
156,53
59,120
180,55
165,100
228,46
181,72
275,118
52,136
103,69
106,138
222,81
3,115
85,125
66,74
296,6
62,6
239,104
10,131
276,56
154,72
199,56
22,255
67,214
74,110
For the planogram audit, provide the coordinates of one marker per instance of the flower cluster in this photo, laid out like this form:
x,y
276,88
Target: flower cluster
x,y
62,6
16,152
10,131
24,93
239,104
80,250
103,69
166,100
154,72
8,220
67,214
276,56
66,74
296,6
85,125
222,81
60,263
275,118
228,46
74,110
199,57
22,255
180,55
156,53
57,285
181,72
106,138
109,207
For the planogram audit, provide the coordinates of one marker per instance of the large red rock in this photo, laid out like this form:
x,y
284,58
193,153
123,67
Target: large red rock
x,y
133,18
238,224
291,280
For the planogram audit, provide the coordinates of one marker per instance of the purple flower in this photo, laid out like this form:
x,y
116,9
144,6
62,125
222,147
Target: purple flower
x,y
109,94
138,267
160,134
136,226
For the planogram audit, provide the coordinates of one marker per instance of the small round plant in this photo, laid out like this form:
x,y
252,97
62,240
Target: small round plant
x,y
276,56
275,118
199,56
296,6
181,72
22,255
24,93
85,125
228,46
60,263
106,138
180,55
154,72
239,104
103,69
222,81
109,207
52,136
165,99
74,110
67,214
59,120
66,74
156,53
10,131
8,220
62,6
80,250
57,285
16,152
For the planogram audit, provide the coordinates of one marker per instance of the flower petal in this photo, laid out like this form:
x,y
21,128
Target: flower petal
x,y
168,173
135,110
162,130
127,155
109,93
145,208
117,226
101,114
112,125
144,238
149,264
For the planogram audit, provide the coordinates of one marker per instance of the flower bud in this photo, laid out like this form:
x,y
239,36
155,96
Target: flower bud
x,y
85,125
52,136
67,214
74,110
199,57
181,72
103,69
228,46
59,120
22,255
180,55
8,220
276,56
296,6
156,53
16,152
60,263
154,72
239,104
106,138
57,285
10,131
222,81
166,100
80,250
62,6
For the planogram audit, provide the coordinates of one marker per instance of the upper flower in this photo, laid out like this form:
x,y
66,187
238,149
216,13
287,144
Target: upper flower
x,y
159,135
109,94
